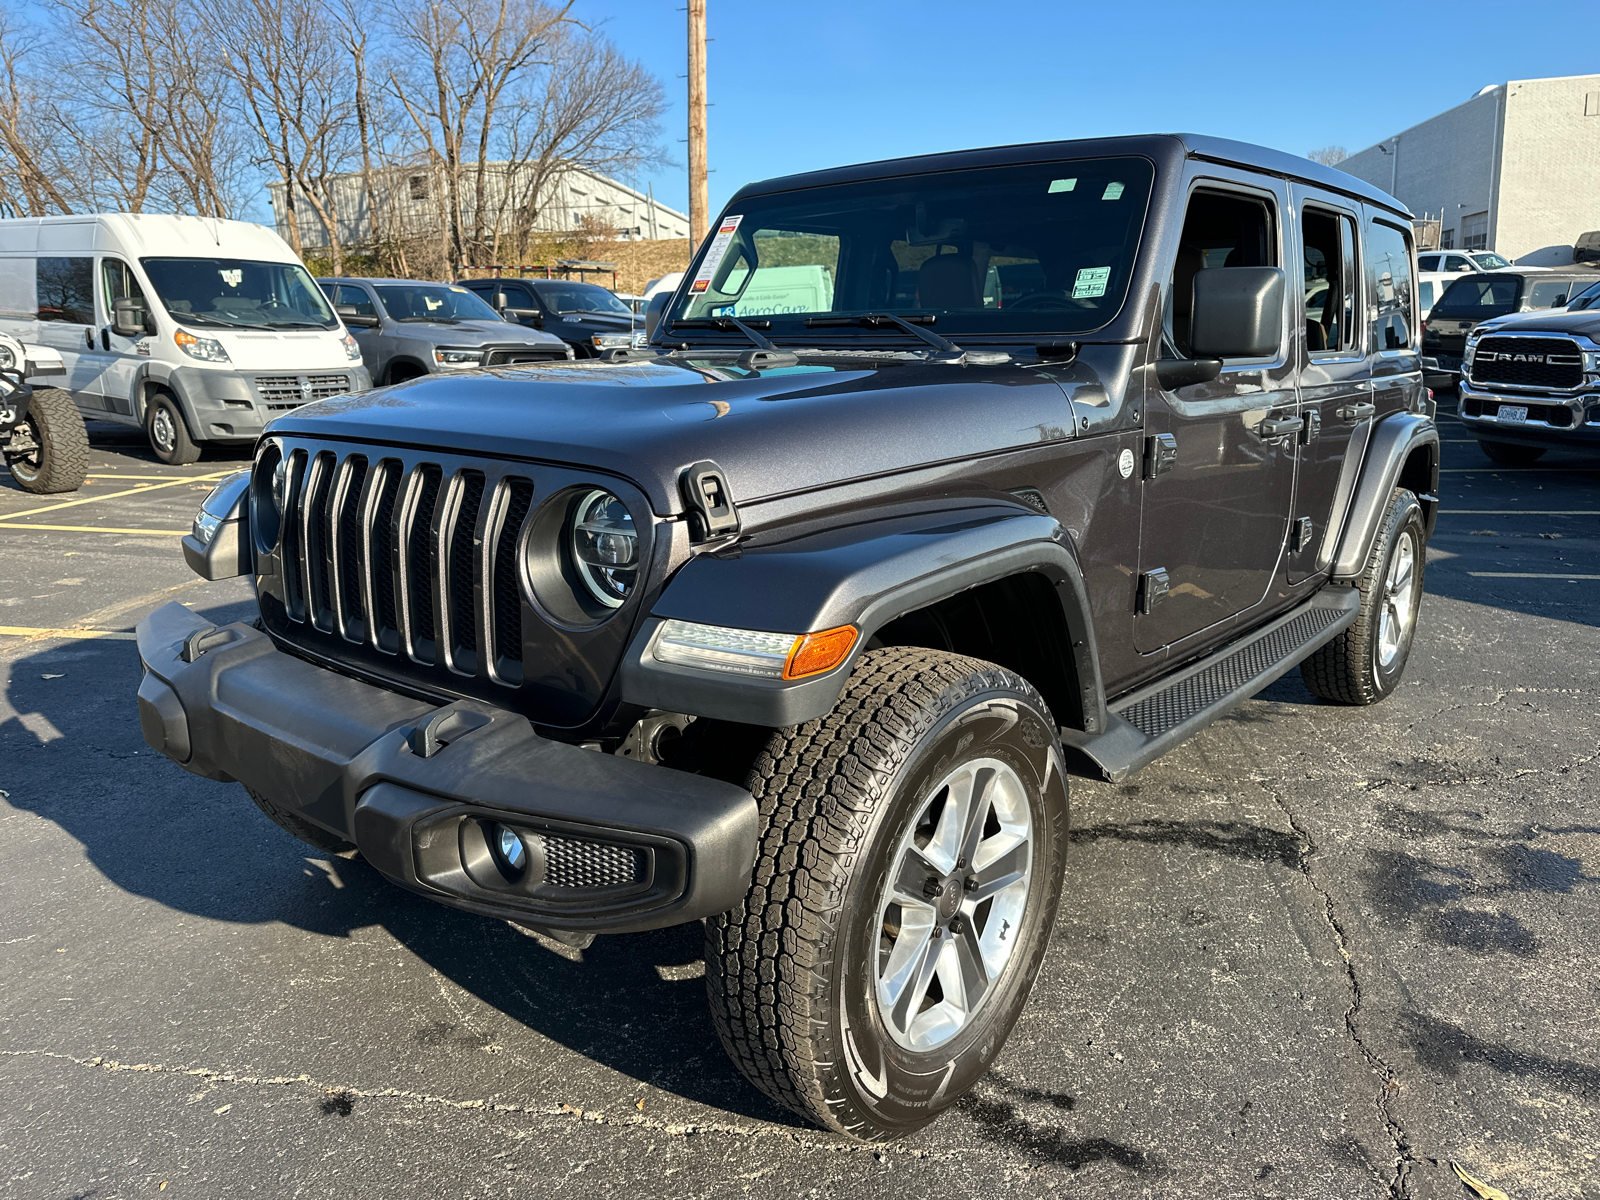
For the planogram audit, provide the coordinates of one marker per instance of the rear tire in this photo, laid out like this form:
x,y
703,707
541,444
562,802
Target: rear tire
x,y
1364,663
1509,454
311,835
168,434
58,459
905,885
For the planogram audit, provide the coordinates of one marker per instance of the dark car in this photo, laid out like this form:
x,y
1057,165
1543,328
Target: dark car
x,y
1480,296
584,315
796,620
411,327
1532,381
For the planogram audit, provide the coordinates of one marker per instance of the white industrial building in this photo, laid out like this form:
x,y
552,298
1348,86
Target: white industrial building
x,y
411,204
1515,169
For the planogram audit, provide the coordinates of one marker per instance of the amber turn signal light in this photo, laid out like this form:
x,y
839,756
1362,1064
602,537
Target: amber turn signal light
x,y
818,652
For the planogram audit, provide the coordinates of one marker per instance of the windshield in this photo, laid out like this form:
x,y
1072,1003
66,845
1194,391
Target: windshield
x,y
235,292
433,302
1478,297
581,297
1490,262
1042,247
1587,298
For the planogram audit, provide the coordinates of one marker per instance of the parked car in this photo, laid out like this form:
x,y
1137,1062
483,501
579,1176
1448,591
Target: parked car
x,y
42,439
1430,286
1477,297
586,316
409,327
667,283
199,330
1532,381
803,636
1458,262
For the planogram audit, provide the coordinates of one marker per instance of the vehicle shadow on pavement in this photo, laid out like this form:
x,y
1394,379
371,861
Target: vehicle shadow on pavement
x,y
73,754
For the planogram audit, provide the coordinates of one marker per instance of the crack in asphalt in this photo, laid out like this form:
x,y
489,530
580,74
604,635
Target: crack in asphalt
x,y
1404,1159
339,1099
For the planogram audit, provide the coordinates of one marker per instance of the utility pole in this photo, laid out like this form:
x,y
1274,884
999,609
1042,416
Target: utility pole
x,y
699,195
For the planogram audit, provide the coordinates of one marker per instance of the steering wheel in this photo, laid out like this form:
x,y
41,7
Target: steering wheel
x,y
1040,302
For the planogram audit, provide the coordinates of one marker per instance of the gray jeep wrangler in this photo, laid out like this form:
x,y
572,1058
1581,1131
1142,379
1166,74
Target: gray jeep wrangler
x,y
940,479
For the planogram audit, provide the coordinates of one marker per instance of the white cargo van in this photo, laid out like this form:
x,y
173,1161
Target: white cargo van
x,y
196,329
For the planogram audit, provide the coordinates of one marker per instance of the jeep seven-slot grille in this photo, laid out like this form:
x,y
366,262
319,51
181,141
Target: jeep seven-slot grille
x,y
1528,362
412,560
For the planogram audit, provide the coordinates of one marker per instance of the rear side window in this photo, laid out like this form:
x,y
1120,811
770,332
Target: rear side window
x,y
1478,298
1428,262
1425,293
1330,278
66,290
1389,278
1547,293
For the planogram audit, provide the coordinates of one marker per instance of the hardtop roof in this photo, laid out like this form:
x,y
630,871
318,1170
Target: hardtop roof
x,y
1158,146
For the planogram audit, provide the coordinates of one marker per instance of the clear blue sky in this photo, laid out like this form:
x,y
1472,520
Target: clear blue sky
x,y
819,83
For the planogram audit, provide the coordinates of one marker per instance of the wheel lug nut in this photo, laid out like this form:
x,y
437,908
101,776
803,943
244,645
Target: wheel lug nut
x,y
970,883
955,924
933,887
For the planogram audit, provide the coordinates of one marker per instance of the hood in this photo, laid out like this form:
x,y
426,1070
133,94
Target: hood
x,y
772,432
268,350
477,333
1585,322
621,322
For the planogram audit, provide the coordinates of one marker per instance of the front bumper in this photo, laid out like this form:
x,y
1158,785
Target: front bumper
x,y
1572,420
614,845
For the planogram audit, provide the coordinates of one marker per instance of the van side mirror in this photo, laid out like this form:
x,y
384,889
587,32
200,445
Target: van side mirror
x,y
128,318
1238,312
653,309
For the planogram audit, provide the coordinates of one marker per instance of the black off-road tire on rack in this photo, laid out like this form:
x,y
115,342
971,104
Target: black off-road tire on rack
x,y
61,461
311,835
1510,454
793,973
1363,664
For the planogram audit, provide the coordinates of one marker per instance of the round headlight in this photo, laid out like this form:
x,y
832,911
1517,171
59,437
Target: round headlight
x,y
268,484
604,546
7,358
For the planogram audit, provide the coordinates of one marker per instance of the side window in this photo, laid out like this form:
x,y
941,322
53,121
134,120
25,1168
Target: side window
x,y
358,299
1425,293
1457,262
1389,278
1221,229
1428,262
1329,280
66,290
118,282
1550,292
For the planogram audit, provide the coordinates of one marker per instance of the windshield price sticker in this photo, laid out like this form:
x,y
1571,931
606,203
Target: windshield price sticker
x,y
1091,282
718,251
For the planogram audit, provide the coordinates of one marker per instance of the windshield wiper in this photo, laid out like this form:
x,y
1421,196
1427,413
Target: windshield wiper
x,y
731,324
875,320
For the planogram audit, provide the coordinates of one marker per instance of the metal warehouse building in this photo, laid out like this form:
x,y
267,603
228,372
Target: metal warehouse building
x,y
1515,169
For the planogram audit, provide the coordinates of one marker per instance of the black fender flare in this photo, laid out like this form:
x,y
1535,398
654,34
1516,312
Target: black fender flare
x,y
863,570
1394,440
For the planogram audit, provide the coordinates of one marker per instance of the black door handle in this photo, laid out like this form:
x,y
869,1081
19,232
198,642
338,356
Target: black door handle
x,y
105,339
1357,412
1277,427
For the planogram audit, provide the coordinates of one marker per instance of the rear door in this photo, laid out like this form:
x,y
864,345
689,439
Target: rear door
x,y
1335,376
1391,324
1216,511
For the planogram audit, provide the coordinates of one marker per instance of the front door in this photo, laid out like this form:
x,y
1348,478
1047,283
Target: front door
x,y
1220,456
367,336
119,358
1335,379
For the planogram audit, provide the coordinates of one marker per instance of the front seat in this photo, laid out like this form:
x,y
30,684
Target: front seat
x,y
950,282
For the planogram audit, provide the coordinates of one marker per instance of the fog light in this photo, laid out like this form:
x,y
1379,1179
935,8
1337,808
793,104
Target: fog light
x,y
512,852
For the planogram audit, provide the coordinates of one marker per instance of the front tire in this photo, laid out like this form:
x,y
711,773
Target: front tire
x,y
168,434
48,452
1510,454
904,890
1364,663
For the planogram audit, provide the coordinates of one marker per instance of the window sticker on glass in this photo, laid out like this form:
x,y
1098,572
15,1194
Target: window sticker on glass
x,y
232,278
1062,185
1113,192
1091,282
718,251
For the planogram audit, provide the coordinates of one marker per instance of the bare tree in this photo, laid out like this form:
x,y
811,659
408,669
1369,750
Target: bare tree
x,y
24,142
1328,156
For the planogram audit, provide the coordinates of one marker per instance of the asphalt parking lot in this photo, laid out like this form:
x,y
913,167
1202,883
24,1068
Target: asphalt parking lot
x,y
1316,952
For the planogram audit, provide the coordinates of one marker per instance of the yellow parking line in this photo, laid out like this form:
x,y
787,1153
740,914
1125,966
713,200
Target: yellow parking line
x,y
154,487
76,634
94,529
117,475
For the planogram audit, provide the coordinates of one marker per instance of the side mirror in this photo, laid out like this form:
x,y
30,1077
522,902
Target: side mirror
x,y
500,302
127,317
523,316
353,319
1238,312
653,309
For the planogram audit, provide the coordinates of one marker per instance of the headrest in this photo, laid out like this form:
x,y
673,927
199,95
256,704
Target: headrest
x,y
949,281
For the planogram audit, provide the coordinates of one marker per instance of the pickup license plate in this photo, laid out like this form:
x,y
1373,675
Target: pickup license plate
x,y
1512,414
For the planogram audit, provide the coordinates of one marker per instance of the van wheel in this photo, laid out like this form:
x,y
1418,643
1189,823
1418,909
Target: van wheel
x,y
169,436
905,885
1509,453
1364,663
48,452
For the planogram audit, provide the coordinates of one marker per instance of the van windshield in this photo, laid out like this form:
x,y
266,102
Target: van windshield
x,y
1478,297
238,293
1014,250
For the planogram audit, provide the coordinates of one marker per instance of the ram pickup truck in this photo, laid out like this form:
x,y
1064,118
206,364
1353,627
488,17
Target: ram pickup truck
x,y
796,620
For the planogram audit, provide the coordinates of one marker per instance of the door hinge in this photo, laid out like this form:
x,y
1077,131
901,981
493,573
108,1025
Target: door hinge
x,y
1300,537
711,508
1313,427
1160,453
1152,586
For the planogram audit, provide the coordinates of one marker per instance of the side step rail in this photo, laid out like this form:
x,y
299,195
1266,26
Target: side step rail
x,y
1144,725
